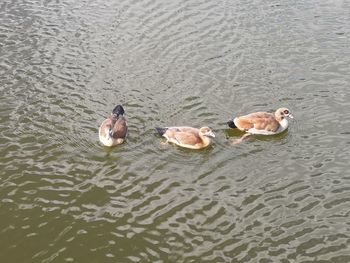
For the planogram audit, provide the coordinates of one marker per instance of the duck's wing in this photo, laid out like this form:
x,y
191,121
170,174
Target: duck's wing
x,y
188,138
183,135
120,128
258,120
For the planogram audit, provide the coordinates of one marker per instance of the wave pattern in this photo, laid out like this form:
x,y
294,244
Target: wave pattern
x,y
65,64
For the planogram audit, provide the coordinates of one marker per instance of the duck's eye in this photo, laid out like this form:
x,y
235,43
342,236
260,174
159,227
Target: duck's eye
x,y
286,112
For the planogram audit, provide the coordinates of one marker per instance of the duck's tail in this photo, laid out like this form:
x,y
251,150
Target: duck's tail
x,y
231,124
161,131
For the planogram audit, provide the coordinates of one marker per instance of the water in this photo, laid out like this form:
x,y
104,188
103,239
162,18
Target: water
x,y
65,64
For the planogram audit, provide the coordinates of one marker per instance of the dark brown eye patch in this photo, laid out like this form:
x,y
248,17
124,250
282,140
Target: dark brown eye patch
x,y
286,112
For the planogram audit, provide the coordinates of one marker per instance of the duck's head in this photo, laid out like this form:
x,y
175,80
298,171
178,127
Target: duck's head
x,y
206,131
118,110
283,113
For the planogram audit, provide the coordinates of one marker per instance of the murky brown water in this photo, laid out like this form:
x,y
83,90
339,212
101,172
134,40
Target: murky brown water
x,y
65,64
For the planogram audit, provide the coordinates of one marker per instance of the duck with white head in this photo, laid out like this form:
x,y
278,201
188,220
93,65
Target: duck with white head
x,y
263,123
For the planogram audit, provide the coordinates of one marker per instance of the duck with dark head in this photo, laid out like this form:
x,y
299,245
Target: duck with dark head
x,y
113,130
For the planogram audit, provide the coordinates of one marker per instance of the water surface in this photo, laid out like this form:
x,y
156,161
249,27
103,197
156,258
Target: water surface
x,y
65,64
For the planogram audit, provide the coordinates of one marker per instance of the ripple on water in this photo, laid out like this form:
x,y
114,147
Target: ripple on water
x,y
66,64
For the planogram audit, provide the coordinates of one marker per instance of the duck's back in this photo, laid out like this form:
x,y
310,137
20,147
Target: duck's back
x,y
120,128
113,131
257,121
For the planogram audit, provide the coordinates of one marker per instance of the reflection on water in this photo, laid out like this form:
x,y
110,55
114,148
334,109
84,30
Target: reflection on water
x,y
65,65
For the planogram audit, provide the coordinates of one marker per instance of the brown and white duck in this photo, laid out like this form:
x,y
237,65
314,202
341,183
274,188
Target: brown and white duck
x,y
263,123
188,137
113,130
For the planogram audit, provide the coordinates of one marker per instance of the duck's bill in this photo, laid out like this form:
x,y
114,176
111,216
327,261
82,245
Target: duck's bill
x,y
211,134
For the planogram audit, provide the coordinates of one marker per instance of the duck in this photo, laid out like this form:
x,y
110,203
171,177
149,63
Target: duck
x,y
114,129
187,137
263,123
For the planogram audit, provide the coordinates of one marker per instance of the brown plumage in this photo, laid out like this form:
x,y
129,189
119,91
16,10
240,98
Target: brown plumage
x,y
262,122
187,137
113,130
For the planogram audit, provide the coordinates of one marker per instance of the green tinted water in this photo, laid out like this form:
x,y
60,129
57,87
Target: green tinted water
x,y
64,66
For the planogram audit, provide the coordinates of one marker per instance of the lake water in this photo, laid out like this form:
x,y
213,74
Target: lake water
x,y
65,64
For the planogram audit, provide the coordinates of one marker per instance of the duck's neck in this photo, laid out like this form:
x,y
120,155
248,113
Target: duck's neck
x,y
205,140
279,117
